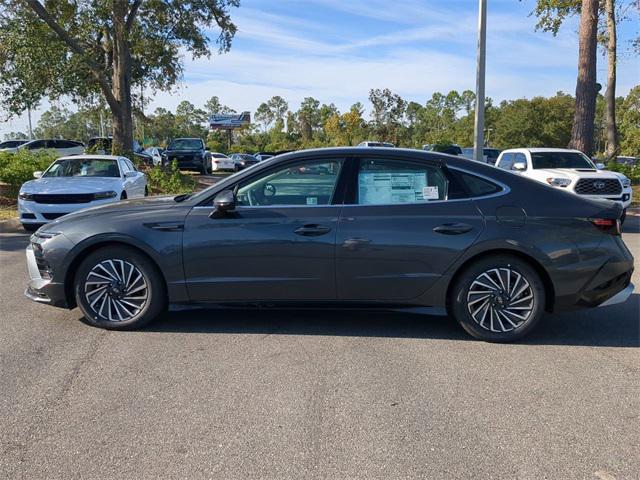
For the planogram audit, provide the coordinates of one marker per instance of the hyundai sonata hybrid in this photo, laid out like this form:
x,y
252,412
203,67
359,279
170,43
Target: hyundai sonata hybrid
x,y
342,227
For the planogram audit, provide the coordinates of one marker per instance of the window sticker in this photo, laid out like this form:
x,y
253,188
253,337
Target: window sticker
x,y
312,200
391,187
430,193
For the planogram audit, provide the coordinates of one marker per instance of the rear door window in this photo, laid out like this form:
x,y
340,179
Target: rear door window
x,y
397,182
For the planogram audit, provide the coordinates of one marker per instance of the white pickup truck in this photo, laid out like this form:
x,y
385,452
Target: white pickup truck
x,y
568,169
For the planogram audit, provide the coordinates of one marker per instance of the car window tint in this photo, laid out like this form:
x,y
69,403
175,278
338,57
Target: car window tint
x,y
36,144
506,161
305,183
519,158
392,182
476,186
130,164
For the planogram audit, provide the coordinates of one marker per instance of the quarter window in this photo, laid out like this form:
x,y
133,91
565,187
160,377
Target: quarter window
x,y
306,183
396,182
476,186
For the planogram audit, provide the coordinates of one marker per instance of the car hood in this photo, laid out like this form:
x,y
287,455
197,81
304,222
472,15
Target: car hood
x,y
70,185
116,208
574,174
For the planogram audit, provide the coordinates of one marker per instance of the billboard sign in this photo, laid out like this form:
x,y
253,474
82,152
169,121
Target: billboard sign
x,y
229,121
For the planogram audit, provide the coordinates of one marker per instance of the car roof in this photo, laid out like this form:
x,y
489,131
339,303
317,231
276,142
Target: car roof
x,y
92,157
540,150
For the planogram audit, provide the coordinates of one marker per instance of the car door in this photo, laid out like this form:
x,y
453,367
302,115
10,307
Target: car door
x,y
277,245
400,229
139,180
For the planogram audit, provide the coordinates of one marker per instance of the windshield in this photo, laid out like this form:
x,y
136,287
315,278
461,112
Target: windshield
x,y
185,144
541,160
83,167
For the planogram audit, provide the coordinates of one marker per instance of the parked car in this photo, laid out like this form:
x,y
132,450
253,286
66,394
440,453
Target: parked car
x,y
243,160
76,182
219,161
262,156
489,155
103,146
379,228
450,149
627,160
569,170
155,153
189,153
58,147
11,145
376,144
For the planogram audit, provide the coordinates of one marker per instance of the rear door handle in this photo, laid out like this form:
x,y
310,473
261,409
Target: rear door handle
x,y
453,228
312,230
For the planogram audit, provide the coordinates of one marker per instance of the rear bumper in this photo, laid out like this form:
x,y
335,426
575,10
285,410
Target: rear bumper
x,y
619,297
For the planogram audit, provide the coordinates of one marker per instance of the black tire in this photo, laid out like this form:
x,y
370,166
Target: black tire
x,y
146,191
623,217
121,258
484,326
123,195
31,227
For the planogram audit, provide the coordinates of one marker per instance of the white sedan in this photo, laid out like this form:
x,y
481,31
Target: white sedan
x,y
73,183
219,161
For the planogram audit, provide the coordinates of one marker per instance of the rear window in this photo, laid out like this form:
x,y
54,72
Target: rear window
x,y
476,186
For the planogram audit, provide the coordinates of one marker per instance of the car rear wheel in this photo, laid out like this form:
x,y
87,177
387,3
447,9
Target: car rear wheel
x,y
498,299
118,288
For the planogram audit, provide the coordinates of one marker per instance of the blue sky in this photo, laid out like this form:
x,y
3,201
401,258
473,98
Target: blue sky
x,y
336,50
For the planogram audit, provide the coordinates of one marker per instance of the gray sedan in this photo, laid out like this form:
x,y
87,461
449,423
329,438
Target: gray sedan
x,y
343,227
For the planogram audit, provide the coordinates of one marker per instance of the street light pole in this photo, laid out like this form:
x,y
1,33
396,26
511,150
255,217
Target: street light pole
x,y
478,143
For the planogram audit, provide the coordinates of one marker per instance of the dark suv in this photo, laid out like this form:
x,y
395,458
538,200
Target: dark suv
x,y
189,153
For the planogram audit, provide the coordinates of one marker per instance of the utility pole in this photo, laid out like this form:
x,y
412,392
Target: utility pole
x,y
478,143
30,128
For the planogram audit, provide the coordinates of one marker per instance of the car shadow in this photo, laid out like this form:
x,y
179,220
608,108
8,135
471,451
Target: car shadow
x,y
631,224
615,326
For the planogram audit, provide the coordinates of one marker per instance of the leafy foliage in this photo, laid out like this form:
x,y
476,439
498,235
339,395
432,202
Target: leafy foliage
x,y
17,168
168,180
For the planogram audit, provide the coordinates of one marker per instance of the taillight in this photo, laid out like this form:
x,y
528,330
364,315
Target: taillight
x,y
607,225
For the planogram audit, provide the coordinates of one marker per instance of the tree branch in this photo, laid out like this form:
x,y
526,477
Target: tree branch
x,y
132,14
44,15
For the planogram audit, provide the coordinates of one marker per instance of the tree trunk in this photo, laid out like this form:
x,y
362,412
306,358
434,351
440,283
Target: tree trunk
x,y
121,83
610,94
586,90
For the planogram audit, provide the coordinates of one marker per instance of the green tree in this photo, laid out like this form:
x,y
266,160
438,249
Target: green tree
x,y
84,47
214,107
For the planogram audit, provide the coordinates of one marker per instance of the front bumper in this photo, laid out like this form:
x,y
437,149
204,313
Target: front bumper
x,y
623,199
40,213
43,290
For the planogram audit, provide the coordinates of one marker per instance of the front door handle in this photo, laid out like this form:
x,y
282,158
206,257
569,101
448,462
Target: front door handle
x,y
312,230
453,228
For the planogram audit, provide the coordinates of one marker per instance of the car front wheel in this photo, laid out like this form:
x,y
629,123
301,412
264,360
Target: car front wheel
x,y
118,288
498,299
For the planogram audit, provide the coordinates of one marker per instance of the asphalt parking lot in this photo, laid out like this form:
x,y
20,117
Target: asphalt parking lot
x,y
306,394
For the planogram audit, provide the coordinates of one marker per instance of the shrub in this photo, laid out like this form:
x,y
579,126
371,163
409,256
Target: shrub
x,y
168,180
17,168
633,172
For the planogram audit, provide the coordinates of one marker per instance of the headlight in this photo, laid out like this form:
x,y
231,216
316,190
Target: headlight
x,y
45,235
103,195
626,183
25,196
558,182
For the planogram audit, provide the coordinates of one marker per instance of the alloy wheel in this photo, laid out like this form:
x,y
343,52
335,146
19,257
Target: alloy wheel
x,y
500,299
116,290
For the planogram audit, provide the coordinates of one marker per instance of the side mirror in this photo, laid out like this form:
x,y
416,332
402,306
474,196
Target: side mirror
x,y
37,174
130,174
224,203
519,166
600,166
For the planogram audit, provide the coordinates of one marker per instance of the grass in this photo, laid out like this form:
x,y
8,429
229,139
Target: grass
x,y
7,212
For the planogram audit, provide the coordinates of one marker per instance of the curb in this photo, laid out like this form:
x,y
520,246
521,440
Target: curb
x,y
11,225
634,212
